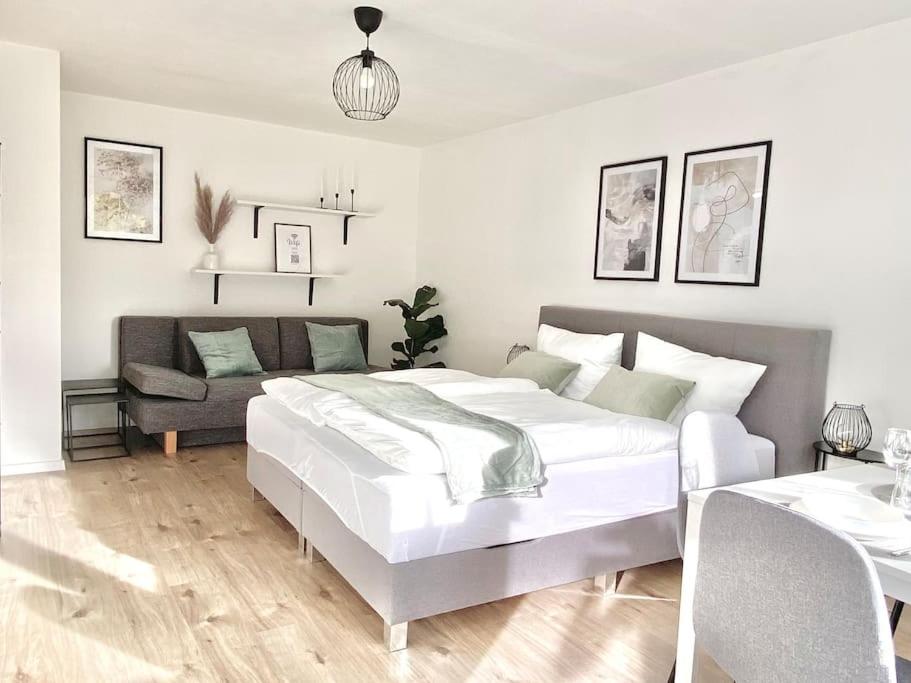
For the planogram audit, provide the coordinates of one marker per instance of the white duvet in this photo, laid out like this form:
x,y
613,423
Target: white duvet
x,y
563,430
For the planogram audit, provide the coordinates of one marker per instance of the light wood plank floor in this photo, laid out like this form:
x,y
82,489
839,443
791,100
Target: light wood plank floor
x,y
148,569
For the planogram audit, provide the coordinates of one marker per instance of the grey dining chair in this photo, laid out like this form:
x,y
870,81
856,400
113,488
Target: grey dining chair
x,y
782,597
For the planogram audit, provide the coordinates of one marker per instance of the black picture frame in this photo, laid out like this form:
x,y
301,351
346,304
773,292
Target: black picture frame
x,y
688,159
309,246
658,226
85,192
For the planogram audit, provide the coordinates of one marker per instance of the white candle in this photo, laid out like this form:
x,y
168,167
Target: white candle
x,y
354,178
338,180
322,184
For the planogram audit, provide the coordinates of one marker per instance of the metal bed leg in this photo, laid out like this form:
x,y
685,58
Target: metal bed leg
x,y
395,636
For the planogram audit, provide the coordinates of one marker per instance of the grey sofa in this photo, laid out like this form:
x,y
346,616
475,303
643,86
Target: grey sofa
x,y
169,395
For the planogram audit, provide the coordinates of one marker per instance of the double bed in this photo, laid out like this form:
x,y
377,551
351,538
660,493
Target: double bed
x,y
411,552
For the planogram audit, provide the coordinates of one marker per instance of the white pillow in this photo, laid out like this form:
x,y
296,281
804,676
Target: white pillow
x,y
595,353
722,384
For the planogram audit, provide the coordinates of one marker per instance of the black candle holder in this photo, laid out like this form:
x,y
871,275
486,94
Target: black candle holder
x,y
847,429
352,199
336,201
321,202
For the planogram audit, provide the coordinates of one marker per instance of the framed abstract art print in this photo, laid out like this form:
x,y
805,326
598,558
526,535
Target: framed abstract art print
x,y
630,216
122,191
722,215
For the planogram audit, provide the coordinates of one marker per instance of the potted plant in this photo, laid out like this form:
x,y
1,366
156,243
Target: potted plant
x,y
211,223
420,332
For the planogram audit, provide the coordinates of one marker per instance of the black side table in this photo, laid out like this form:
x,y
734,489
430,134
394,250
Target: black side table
x,y
824,450
83,392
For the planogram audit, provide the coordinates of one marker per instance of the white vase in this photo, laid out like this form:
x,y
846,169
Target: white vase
x,y
210,259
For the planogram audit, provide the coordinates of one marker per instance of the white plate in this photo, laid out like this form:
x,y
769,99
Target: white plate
x,y
863,517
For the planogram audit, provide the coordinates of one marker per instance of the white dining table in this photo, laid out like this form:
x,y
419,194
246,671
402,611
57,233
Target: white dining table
x,y
867,479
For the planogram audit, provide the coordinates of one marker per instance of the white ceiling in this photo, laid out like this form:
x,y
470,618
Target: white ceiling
x,y
464,65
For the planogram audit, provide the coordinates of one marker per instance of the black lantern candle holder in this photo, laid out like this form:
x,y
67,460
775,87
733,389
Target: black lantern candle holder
x,y
847,429
516,351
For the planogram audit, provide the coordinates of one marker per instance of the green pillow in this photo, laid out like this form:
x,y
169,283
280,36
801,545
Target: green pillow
x,y
336,347
645,394
226,354
550,372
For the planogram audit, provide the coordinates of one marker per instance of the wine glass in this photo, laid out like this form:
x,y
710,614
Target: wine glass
x,y
897,454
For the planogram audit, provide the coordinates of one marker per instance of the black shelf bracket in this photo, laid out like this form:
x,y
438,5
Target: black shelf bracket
x,y
345,229
256,209
216,281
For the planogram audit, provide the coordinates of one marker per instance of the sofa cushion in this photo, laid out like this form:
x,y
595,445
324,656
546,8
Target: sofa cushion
x,y
154,380
153,414
295,342
263,334
226,354
225,406
148,339
336,348
245,388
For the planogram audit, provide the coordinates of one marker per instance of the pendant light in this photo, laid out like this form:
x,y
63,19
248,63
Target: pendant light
x,y
365,86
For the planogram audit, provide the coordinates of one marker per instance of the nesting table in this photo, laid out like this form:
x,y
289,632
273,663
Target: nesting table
x,y
86,392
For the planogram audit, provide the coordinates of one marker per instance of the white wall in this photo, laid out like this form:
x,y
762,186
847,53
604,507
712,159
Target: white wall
x,y
103,279
30,260
508,216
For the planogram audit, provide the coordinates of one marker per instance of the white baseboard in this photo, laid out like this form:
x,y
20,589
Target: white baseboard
x,y
13,469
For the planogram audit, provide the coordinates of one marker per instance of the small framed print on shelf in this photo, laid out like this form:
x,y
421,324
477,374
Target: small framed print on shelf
x,y
292,248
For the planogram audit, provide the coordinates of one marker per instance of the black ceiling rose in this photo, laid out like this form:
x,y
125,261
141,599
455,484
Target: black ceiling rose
x,y
364,86
368,19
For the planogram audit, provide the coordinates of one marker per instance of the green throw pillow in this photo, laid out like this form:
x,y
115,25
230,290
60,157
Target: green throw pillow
x,y
645,394
226,354
550,372
336,347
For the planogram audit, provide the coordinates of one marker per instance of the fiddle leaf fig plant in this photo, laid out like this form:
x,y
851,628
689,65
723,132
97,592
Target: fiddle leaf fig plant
x,y
420,332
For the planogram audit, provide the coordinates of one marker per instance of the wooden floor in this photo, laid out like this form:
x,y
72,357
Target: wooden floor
x,y
149,569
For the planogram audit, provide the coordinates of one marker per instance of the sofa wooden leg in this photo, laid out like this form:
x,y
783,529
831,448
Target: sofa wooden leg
x,y
170,444
301,546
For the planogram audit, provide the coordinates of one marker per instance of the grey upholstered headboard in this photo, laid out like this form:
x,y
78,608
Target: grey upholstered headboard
x,y
788,403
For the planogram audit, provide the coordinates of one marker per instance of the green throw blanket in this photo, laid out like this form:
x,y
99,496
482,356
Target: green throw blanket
x,y
483,457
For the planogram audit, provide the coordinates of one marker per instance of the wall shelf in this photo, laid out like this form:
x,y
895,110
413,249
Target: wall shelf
x,y
259,204
216,276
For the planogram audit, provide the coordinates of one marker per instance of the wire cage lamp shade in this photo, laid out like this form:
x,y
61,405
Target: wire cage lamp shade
x,y
847,428
363,95
365,87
